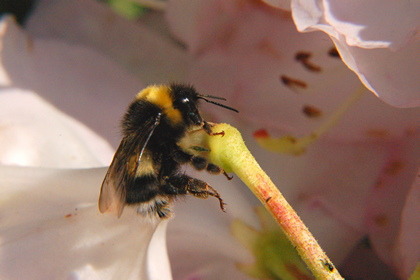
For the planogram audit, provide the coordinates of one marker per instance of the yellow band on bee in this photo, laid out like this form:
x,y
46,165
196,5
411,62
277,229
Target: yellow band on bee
x,y
160,95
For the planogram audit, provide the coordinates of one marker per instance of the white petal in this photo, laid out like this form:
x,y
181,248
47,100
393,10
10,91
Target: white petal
x,y
51,229
34,133
76,79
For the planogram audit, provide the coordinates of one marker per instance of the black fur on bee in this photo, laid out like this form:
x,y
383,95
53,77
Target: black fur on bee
x,y
145,171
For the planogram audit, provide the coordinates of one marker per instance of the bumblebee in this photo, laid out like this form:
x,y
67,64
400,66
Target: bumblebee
x,y
145,171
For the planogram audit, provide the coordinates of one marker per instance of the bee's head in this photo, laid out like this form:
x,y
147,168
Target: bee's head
x,y
186,100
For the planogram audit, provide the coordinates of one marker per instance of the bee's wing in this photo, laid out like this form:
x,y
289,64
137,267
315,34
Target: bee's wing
x,y
121,172
112,197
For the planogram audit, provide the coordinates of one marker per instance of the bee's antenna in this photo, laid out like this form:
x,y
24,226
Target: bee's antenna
x,y
214,97
216,103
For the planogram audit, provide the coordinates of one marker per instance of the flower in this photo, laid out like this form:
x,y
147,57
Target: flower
x,y
376,39
253,55
52,167
278,78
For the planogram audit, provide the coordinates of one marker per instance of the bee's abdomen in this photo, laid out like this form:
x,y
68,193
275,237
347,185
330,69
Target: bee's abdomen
x,y
142,189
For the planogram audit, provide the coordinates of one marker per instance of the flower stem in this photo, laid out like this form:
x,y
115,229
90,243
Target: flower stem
x,y
231,153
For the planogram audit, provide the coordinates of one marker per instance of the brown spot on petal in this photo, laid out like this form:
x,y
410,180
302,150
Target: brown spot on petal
x,y
292,83
377,133
333,52
311,111
68,216
394,167
381,220
304,57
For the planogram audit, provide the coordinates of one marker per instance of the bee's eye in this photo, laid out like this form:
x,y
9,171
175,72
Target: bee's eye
x,y
195,117
185,100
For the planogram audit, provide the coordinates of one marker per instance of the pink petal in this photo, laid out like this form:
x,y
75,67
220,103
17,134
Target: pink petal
x,y
281,4
391,198
376,39
146,54
408,244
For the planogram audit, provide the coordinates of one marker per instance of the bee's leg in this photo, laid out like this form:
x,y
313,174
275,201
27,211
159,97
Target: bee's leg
x,y
184,184
199,163
182,157
207,129
215,169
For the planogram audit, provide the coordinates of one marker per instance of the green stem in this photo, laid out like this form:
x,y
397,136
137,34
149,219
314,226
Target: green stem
x,y
231,153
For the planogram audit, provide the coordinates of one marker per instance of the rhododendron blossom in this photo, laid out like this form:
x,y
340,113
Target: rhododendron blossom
x,y
295,70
